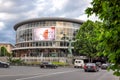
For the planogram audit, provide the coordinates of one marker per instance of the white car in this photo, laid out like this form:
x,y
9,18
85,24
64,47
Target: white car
x,y
79,63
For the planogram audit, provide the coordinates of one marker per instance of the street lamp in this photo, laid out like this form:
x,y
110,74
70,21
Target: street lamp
x,y
64,38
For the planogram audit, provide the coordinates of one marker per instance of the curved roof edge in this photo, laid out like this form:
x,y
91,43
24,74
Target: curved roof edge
x,y
47,19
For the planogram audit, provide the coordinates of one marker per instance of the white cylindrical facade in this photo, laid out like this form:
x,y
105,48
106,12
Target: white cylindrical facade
x,y
48,36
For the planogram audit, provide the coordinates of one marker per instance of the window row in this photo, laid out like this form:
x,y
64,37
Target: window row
x,y
48,23
60,34
44,43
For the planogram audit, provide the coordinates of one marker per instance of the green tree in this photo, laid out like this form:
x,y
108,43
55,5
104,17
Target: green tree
x,y
109,12
3,51
86,41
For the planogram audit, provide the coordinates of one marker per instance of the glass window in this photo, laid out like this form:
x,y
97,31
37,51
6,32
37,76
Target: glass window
x,y
46,43
37,44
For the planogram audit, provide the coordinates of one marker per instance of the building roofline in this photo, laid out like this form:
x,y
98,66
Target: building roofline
x,y
7,44
47,19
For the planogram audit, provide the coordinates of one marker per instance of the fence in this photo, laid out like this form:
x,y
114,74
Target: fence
x,y
41,59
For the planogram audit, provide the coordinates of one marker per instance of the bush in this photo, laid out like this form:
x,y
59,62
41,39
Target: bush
x,y
16,62
32,63
60,63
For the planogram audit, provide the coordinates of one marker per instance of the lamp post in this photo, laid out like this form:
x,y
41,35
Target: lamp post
x,y
64,38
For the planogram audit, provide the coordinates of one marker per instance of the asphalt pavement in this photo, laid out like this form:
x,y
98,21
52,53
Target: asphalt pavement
x,y
61,73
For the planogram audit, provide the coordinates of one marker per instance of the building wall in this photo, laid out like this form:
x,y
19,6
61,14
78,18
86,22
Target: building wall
x,y
8,46
30,40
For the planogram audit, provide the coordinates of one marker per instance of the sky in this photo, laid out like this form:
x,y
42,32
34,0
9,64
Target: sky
x,y
15,11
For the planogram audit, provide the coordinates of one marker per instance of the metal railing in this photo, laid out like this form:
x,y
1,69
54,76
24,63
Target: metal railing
x,y
42,59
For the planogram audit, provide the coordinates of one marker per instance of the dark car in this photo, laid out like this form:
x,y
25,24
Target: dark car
x,y
105,66
4,64
98,64
47,65
91,67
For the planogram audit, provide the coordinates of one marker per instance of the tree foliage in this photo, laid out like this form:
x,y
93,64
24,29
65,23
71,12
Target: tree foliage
x,y
3,51
86,40
109,12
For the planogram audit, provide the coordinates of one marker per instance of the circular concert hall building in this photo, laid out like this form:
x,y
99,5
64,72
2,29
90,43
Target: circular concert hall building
x,y
48,36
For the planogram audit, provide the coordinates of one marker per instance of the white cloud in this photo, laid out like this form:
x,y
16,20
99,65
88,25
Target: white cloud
x,y
6,4
47,9
58,4
38,10
13,11
85,18
2,25
7,16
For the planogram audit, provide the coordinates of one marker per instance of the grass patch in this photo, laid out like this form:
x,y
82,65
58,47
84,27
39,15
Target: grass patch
x,y
60,63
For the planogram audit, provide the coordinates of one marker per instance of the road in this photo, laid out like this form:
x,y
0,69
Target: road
x,y
36,73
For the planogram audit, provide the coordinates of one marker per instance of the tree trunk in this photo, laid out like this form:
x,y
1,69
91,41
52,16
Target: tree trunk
x,y
90,60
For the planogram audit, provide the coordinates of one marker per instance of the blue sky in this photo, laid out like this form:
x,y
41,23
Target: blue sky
x,y
14,11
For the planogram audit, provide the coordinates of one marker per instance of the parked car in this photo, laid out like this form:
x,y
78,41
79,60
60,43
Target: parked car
x,y
98,64
4,64
104,66
48,65
79,63
91,67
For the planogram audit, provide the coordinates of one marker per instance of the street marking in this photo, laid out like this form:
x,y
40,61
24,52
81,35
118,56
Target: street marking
x,y
19,75
46,75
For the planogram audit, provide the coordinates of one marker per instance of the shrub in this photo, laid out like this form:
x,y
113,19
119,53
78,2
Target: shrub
x,y
60,63
16,61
